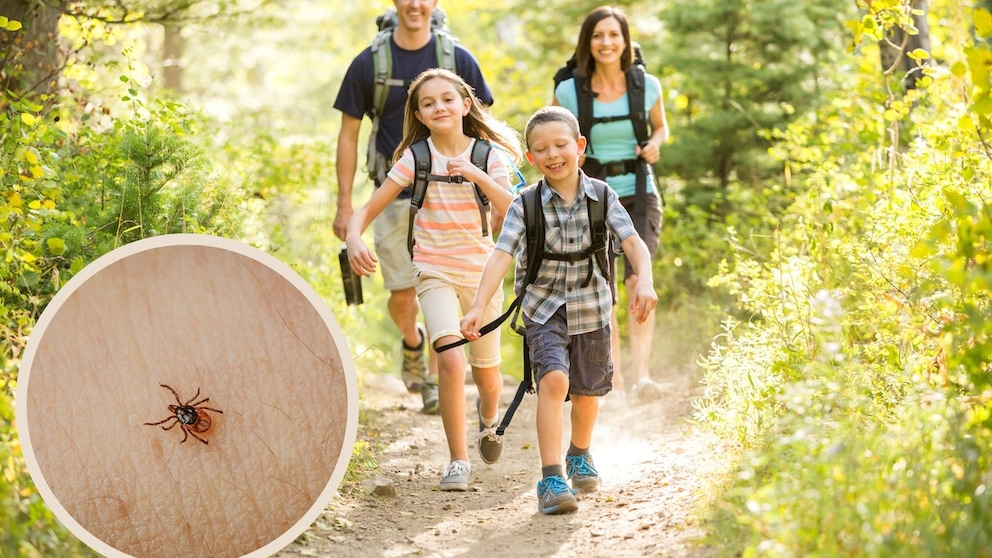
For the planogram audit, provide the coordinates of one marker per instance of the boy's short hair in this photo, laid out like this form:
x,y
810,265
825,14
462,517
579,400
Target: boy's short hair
x,y
552,114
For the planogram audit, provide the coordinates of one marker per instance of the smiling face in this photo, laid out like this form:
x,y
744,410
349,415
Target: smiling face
x,y
607,44
554,149
414,14
440,106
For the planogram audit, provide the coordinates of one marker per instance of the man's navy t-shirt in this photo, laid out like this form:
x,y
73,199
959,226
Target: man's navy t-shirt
x,y
356,95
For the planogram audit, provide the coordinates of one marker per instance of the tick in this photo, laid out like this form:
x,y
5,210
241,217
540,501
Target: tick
x,y
191,417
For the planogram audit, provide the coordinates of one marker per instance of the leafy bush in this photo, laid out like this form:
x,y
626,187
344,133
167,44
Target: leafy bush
x,y
71,193
859,387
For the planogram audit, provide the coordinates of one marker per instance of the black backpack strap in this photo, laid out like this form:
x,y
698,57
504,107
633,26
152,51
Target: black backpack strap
x,y
644,172
534,230
480,158
421,176
600,233
584,97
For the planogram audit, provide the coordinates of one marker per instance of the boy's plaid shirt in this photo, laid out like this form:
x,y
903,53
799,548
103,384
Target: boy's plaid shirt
x,y
566,230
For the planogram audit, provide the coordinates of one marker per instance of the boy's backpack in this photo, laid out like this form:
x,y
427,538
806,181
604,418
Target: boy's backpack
x,y
638,116
382,61
534,227
422,175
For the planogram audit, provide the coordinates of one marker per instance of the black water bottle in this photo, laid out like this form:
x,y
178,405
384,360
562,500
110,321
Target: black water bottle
x,y
352,281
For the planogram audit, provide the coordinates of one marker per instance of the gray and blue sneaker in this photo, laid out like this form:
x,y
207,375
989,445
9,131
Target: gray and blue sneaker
x,y
555,497
455,477
585,477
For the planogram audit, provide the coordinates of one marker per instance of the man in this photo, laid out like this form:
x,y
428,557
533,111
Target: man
x,y
413,49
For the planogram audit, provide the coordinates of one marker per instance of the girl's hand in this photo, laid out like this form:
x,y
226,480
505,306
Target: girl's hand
x,y
465,169
362,259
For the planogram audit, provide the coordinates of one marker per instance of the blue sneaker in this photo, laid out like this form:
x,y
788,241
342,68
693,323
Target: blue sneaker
x,y
555,497
585,477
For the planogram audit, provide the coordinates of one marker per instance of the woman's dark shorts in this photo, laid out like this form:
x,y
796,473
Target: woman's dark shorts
x,y
654,227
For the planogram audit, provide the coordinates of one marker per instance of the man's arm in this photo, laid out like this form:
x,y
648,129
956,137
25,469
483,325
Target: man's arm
x,y
347,165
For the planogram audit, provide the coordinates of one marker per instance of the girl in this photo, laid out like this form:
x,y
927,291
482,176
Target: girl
x,y
449,250
604,55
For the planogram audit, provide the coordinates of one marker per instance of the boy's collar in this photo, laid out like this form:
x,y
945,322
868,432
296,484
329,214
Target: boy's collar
x,y
586,189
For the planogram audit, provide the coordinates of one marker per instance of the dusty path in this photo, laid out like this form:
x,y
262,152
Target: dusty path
x,y
655,469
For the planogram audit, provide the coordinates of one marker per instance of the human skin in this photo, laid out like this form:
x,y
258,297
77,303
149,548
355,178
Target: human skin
x,y
194,318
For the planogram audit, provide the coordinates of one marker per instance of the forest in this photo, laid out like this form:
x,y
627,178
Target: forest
x,y
827,220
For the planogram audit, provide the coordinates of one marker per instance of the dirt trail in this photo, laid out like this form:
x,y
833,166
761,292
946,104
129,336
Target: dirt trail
x,y
655,468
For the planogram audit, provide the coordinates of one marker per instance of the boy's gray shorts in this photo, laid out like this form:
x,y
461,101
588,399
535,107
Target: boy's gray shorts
x,y
585,358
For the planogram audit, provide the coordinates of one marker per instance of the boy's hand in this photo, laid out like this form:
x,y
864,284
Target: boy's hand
x,y
362,259
644,301
471,323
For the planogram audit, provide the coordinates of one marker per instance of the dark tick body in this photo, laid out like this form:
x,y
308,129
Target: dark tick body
x,y
190,416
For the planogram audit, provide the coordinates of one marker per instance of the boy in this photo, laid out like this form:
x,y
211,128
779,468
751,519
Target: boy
x,y
566,314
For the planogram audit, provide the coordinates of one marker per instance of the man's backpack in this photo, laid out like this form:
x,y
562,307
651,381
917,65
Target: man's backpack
x,y
382,61
422,175
639,119
534,228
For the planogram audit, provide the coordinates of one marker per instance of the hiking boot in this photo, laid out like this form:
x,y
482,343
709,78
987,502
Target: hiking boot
x,y
647,390
555,497
490,444
455,477
432,405
414,369
585,477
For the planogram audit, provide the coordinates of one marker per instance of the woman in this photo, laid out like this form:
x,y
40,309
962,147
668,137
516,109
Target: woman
x,y
605,64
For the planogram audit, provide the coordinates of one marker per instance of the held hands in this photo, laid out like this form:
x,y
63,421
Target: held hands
x,y
471,323
362,259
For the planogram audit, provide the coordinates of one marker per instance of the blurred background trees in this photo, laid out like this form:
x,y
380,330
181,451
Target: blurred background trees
x,y
825,234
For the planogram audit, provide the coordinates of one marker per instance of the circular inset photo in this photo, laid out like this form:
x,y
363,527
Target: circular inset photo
x,y
187,395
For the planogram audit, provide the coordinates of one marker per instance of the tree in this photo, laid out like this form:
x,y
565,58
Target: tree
x,y
30,60
742,68
902,39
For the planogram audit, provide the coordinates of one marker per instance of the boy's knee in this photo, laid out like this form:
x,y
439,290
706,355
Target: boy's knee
x,y
553,383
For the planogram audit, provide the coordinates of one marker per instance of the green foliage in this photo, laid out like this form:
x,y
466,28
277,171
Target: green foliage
x,y
859,386
70,192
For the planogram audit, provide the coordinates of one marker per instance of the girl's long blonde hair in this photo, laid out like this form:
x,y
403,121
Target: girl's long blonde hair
x,y
479,123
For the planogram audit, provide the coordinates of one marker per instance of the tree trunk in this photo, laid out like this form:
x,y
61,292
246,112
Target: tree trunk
x,y
30,59
895,47
172,53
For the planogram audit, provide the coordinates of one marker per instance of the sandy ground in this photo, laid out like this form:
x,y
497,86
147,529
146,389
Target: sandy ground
x,y
655,467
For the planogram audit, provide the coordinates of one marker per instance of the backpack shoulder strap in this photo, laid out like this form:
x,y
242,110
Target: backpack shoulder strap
x,y
421,175
600,234
584,98
635,98
534,229
480,158
444,42
382,68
